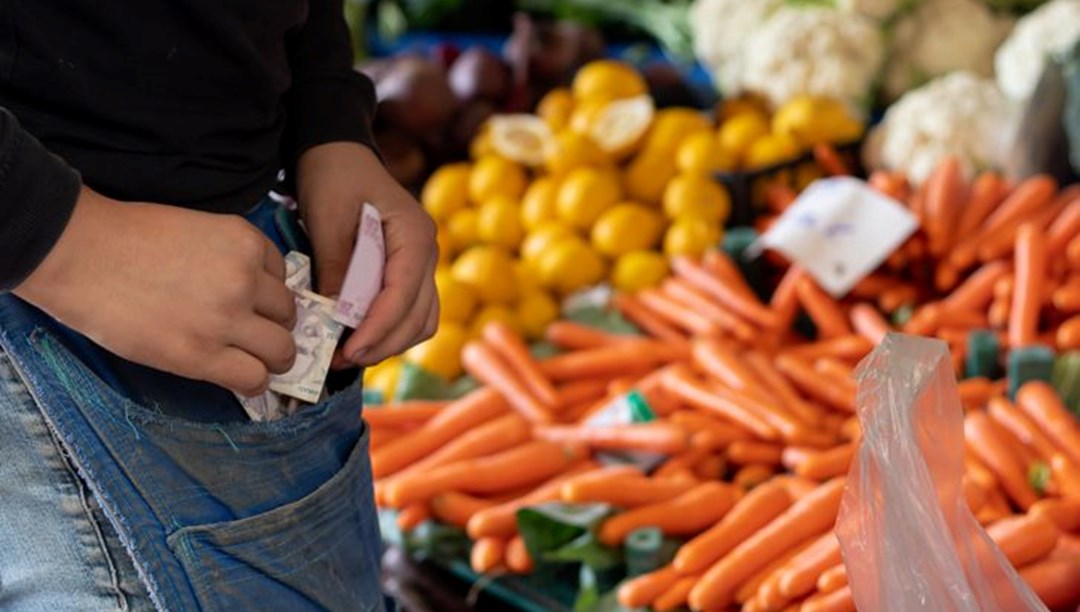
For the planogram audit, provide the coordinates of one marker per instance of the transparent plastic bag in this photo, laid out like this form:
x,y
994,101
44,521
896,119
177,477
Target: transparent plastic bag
x,y
908,538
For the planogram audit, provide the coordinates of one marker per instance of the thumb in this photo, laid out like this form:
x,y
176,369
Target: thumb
x,y
330,275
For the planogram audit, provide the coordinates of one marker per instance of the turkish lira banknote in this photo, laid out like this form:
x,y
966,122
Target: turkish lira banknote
x,y
364,276
316,335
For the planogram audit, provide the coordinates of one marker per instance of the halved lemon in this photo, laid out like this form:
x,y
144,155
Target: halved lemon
x,y
520,137
621,125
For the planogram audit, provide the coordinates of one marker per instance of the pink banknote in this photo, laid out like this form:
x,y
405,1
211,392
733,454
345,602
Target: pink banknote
x,y
363,279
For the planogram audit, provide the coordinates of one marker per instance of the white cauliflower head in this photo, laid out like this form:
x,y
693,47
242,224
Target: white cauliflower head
x,y
960,114
816,51
1050,29
720,31
943,36
874,9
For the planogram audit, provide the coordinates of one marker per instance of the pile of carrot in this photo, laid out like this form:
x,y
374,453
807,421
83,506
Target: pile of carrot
x,y
758,424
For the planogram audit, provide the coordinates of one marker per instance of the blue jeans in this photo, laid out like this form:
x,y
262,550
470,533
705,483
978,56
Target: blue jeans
x,y
108,501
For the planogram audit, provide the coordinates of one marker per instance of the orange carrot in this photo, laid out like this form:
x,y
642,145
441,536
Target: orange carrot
x,y
839,600
761,586
1066,297
453,508
508,345
946,194
778,196
1016,422
1065,226
1065,475
405,414
766,372
487,554
745,452
575,336
1056,581
826,464
993,448
682,464
629,491
1064,513
687,514
1024,539
750,476
721,433
411,516
643,317
677,313
830,161
823,310
868,322
897,296
751,513
606,361
872,286
987,192
892,184
1068,334
1029,196
518,559
681,383
851,347
711,468
1001,243
460,416
481,361
1041,403
657,437
785,302
1030,285
674,597
681,291
652,389
850,429
812,383
752,310
383,436
975,392
721,266
833,579
578,391
790,429
642,591
799,577
720,361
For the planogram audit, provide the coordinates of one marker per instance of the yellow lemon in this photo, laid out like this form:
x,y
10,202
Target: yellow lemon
x,y
746,103
585,113
647,175
555,108
526,279
607,79
534,312
498,222
447,191
441,353
461,228
538,241
585,194
538,203
496,176
671,126
520,137
491,313
691,236
569,265
741,131
456,300
480,145
696,195
443,241
810,120
771,149
383,377
619,126
624,228
701,153
570,150
489,272
637,270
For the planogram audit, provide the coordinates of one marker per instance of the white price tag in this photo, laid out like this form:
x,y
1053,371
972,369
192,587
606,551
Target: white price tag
x,y
839,230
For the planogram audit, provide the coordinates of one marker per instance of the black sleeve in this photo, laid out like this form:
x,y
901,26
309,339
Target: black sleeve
x,y
38,191
328,100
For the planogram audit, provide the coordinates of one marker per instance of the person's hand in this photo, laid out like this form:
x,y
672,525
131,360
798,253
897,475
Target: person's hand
x,y
333,182
196,294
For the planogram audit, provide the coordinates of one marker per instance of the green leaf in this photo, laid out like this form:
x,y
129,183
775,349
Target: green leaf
x,y
390,21
548,527
463,386
1066,380
586,549
1039,476
543,350
417,383
604,319
588,591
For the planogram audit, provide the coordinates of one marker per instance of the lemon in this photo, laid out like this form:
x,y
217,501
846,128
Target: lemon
x,y
671,126
538,241
494,176
538,203
555,108
456,300
585,114
701,153
480,145
619,127
443,241
447,191
771,149
383,377
608,80
534,312
570,150
647,175
520,137
491,313
461,229
569,265
624,228
585,194
489,272
742,104
695,195
741,131
526,279
810,120
498,222
637,270
441,353
691,236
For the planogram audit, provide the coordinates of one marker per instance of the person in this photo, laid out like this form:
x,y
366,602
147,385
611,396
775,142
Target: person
x,y
145,149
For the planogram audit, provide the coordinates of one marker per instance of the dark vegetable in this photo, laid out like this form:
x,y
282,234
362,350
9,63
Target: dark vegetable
x,y
479,74
548,53
668,87
415,95
467,122
404,158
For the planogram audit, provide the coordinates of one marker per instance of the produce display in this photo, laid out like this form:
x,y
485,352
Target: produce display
x,y
732,416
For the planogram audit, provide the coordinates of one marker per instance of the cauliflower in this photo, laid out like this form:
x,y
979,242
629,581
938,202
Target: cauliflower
x,y
959,114
943,36
1050,29
881,10
720,31
817,51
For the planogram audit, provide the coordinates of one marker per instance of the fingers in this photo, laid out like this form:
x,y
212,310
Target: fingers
x,y
333,247
273,261
397,329
266,341
274,300
238,371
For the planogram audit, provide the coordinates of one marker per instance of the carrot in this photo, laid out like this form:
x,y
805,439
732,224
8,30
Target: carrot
x,y
850,347
460,416
379,438
518,559
1030,286
652,389
1063,512
721,433
750,476
850,429
823,310
762,585
711,468
924,321
892,184
518,467
680,383
405,414
1024,539
872,286
833,579
721,266
1029,196
1066,297
501,520
778,196
481,361
839,600
721,362
606,361
453,508
993,448
789,428
975,391
987,192
897,296
1065,226
643,590
799,576
1056,581
826,464
643,317
743,452
675,597
806,518
1072,253
751,309
751,513
766,372
687,514
685,293
629,491
784,302
1068,334
487,554
1017,423
830,161
1001,243
657,437
1065,475
578,391
1041,403
677,313
946,194
575,336
507,344
812,383
868,322
999,313
411,516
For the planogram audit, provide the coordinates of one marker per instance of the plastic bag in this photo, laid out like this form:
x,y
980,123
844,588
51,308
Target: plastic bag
x,y
908,538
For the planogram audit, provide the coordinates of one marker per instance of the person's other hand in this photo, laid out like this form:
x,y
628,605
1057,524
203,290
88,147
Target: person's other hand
x,y
196,294
333,182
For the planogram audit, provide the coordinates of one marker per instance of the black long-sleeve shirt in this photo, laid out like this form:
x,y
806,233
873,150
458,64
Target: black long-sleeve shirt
x,y
196,103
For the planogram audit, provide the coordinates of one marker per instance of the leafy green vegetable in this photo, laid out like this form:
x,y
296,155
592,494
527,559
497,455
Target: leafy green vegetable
x,y
586,549
417,383
548,527
1066,380
1039,476
543,350
604,319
